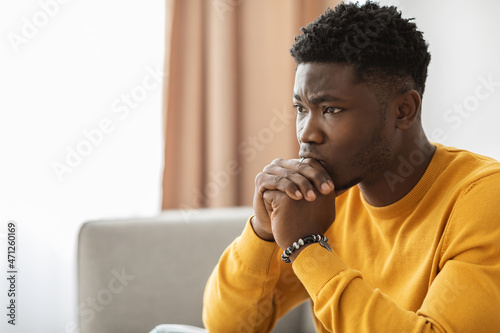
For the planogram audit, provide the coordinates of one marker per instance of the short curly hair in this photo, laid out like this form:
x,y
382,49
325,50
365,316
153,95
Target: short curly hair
x,y
384,48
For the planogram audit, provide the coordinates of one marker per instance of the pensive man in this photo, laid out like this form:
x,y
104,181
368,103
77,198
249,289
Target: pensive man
x,y
381,229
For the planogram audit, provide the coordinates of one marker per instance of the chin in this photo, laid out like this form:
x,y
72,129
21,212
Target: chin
x,y
340,180
347,184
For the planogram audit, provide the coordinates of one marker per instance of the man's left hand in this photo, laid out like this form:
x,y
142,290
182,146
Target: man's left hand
x,y
293,219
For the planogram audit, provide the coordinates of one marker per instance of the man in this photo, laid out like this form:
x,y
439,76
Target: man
x,y
408,231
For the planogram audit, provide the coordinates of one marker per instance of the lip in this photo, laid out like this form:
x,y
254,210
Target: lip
x,y
306,155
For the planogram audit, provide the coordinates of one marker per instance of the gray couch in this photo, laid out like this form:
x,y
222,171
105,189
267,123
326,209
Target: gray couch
x,y
134,274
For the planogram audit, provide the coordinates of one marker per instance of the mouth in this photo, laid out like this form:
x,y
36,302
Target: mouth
x,y
314,157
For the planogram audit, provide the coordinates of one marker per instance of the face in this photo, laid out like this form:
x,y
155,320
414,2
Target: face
x,y
340,123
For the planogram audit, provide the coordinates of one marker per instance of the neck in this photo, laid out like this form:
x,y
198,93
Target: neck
x,y
403,173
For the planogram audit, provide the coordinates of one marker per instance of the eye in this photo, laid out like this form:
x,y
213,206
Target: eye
x,y
300,109
332,110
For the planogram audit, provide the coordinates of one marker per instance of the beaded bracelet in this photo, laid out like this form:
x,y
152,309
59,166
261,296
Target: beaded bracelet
x,y
322,240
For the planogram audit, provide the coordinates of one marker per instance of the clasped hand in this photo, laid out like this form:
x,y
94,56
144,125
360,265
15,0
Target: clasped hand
x,y
293,199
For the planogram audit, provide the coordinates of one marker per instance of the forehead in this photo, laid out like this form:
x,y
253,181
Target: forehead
x,y
313,79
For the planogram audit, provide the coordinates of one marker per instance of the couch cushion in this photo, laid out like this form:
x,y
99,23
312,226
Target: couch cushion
x,y
134,274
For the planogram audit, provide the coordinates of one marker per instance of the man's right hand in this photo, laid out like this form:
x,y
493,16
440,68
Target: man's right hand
x,y
295,178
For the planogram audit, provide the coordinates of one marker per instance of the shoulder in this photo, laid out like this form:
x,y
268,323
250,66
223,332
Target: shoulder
x,y
474,221
463,170
473,180
469,160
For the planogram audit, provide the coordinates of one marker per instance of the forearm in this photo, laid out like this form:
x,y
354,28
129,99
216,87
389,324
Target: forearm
x,y
344,302
240,292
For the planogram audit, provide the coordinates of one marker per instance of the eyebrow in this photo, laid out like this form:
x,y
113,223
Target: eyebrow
x,y
321,98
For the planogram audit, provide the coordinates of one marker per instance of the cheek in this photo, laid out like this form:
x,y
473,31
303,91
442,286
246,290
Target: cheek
x,y
350,141
347,135
299,125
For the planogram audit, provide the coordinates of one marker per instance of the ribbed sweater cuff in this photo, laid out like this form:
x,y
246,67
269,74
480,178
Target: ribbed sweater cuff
x,y
315,266
255,252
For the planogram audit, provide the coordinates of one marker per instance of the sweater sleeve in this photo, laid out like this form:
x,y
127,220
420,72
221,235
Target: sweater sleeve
x,y
464,296
250,288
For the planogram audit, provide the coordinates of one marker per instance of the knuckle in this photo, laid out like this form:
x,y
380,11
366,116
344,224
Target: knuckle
x,y
267,168
305,186
290,187
326,177
277,179
277,161
258,178
266,195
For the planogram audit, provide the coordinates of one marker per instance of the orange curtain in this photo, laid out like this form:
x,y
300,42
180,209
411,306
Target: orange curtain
x,y
228,96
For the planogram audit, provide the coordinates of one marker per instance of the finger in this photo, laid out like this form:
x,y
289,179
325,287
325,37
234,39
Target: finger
x,y
303,188
266,196
310,169
307,189
315,171
288,181
266,181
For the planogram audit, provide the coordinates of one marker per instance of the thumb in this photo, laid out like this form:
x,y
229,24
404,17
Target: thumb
x,y
268,201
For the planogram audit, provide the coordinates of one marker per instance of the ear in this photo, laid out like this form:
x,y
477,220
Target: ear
x,y
408,108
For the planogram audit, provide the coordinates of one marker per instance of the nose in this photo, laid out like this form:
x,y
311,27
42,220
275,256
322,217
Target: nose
x,y
310,130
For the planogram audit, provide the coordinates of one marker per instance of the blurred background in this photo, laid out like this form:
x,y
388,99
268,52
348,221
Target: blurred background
x,y
124,109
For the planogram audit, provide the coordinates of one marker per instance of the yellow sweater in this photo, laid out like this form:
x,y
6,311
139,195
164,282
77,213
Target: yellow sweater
x,y
427,263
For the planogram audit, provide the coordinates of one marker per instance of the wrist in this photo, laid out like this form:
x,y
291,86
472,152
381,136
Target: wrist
x,y
259,231
254,252
296,253
291,252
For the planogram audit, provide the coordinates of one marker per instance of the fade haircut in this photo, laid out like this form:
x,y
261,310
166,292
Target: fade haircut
x,y
387,52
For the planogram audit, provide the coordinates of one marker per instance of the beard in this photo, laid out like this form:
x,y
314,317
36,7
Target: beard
x,y
369,160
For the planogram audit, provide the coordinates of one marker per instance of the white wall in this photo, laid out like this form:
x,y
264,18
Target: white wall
x,y
58,80
465,50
